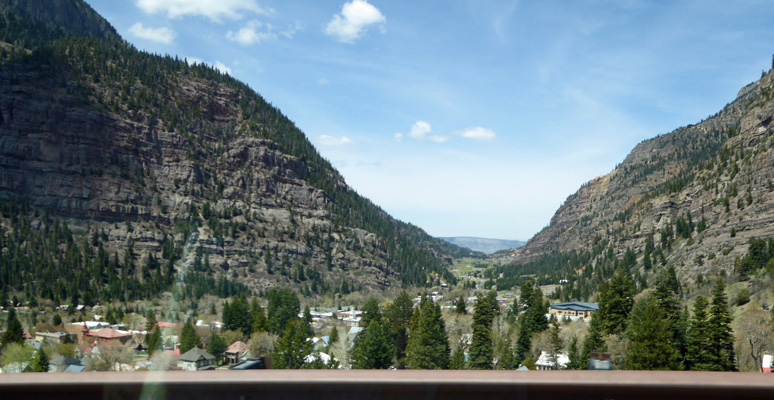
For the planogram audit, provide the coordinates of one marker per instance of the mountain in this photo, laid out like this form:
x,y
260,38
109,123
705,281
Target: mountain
x,y
125,174
692,198
486,246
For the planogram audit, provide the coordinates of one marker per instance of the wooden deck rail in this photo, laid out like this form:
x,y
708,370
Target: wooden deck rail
x,y
404,385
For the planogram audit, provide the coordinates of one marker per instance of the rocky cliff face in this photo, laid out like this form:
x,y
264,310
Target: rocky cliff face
x,y
141,149
717,172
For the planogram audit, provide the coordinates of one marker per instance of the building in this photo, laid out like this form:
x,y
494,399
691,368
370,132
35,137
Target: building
x,y
573,310
196,359
766,363
53,338
236,352
109,335
546,363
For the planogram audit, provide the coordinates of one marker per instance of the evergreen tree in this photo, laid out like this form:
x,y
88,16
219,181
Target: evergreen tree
x,y
428,344
236,316
719,333
506,359
260,323
593,342
667,300
370,312
308,322
283,306
398,316
217,346
153,341
333,336
372,348
40,362
57,320
616,299
188,338
293,348
574,355
555,344
460,307
150,320
457,358
651,344
481,346
14,332
697,357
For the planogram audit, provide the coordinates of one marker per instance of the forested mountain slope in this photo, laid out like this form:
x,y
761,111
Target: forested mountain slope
x,y
122,172
692,198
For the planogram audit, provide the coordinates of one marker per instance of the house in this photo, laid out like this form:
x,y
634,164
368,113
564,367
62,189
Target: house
x,y
600,361
766,362
109,335
253,363
60,363
196,359
236,352
573,309
54,338
321,343
546,363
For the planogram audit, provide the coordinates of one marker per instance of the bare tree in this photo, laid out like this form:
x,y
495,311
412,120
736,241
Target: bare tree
x,y
754,336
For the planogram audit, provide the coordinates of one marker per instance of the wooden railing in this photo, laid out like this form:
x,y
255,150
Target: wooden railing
x,y
404,385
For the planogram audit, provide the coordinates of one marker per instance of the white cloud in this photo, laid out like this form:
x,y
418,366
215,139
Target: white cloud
x,y
212,9
252,34
326,140
355,18
420,131
161,35
222,67
323,82
477,133
256,31
193,60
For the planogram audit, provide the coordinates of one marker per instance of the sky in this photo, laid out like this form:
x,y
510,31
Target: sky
x,y
470,117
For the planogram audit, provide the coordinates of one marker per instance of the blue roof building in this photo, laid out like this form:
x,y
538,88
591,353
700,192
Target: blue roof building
x,y
573,309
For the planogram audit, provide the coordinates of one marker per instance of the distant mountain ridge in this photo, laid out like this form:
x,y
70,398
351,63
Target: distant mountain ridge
x,y
692,198
484,245
168,172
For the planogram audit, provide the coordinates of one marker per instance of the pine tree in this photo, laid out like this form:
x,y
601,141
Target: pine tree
x,y
150,320
460,307
217,346
40,362
188,338
260,323
153,341
616,299
651,344
428,344
574,355
697,357
593,342
370,312
14,332
372,348
333,336
283,306
398,316
481,347
292,349
556,344
719,333
457,358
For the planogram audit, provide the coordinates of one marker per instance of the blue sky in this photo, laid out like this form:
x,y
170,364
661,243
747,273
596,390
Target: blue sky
x,y
470,118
